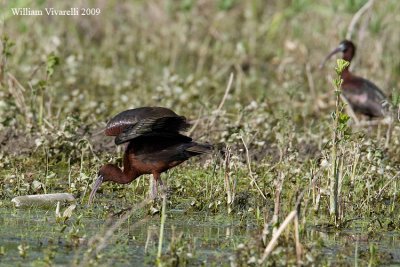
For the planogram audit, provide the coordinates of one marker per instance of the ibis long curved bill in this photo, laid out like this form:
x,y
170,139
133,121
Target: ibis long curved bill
x,y
338,49
96,186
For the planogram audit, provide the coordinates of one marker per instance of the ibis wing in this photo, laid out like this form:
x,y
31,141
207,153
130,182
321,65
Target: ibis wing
x,y
152,126
131,117
176,152
198,149
365,97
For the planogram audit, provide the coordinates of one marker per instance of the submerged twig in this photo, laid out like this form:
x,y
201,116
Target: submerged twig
x,y
292,215
100,241
272,243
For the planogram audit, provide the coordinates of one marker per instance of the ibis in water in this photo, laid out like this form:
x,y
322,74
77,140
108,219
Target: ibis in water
x,y
154,145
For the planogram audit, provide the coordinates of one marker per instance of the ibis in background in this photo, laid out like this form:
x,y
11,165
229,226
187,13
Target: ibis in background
x,y
363,96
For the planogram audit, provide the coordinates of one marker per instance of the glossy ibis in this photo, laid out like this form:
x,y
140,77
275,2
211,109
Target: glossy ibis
x,y
363,96
154,145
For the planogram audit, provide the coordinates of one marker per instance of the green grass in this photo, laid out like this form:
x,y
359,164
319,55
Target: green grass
x,y
62,78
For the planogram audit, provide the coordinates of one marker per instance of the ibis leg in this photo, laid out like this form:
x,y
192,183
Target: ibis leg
x,y
154,187
160,182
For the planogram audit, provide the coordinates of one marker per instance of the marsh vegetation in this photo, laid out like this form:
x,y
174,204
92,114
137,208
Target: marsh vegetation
x,y
246,74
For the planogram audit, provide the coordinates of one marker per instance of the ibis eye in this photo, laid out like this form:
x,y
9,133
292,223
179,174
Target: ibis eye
x,y
342,47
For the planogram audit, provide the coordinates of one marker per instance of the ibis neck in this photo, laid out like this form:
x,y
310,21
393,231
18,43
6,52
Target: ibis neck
x,y
114,174
348,54
345,73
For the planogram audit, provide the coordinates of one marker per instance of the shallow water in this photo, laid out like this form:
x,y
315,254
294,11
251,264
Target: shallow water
x,y
343,246
207,241
203,239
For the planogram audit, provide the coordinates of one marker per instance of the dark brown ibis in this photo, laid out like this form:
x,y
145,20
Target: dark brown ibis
x,y
363,96
154,145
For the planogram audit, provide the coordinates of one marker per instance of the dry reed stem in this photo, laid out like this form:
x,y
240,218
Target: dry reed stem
x,y
250,171
350,110
271,245
16,90
227,181
389,132
386,185
297,238
228,88
310,81
293,214
277,202
197,121
357,17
